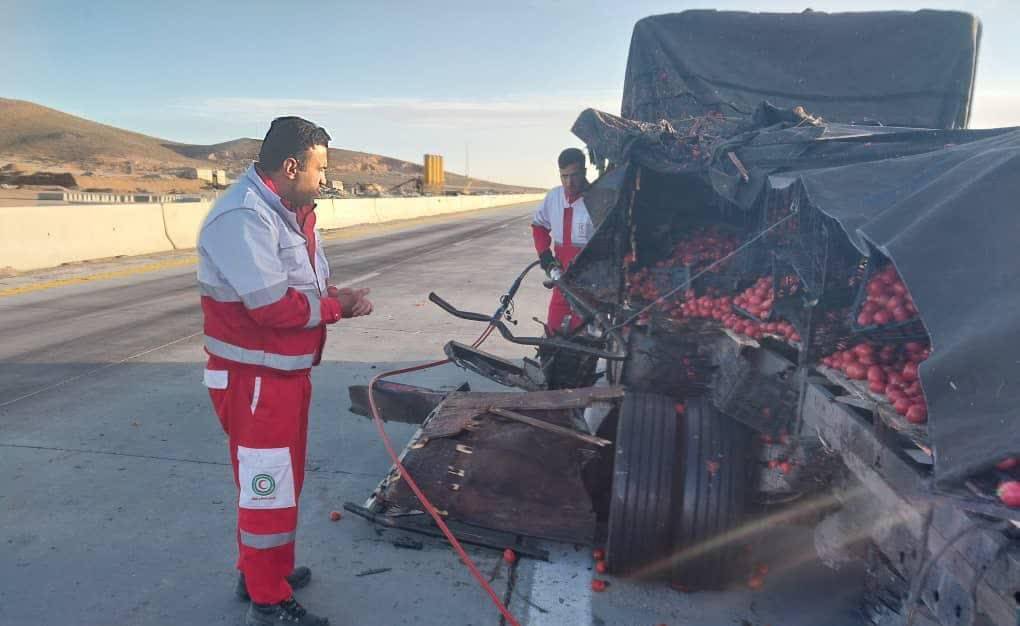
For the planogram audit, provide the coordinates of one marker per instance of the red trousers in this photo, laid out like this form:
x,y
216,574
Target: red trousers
x,y
266,420
559,308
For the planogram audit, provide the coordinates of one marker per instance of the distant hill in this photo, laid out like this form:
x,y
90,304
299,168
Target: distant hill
x,y
247,150
32,132
41,137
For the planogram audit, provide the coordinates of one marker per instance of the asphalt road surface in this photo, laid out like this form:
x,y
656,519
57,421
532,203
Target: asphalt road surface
x,y
117,505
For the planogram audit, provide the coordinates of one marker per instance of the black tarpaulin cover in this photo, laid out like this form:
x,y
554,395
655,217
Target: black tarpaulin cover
x,y
771,140
911,69
950,222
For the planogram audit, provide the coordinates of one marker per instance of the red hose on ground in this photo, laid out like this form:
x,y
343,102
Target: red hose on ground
x,y
417,490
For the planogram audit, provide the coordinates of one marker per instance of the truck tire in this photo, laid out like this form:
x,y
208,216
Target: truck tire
x,y
717,478
645,473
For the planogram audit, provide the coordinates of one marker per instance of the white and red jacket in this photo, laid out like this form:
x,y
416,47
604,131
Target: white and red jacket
x,y
262,275
564,222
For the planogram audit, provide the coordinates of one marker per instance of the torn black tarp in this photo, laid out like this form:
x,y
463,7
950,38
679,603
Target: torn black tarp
x,y
949,221
769,142
912,69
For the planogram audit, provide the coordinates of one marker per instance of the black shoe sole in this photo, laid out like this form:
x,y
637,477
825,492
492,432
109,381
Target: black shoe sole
x,y
296,582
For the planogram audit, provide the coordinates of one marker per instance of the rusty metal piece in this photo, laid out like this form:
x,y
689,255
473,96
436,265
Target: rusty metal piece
x,y
460,409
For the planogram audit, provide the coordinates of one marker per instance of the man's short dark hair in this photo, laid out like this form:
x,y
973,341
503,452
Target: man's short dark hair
x,y
290,137
571,156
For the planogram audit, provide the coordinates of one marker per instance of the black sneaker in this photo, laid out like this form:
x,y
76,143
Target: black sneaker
x,y
286,612
299,578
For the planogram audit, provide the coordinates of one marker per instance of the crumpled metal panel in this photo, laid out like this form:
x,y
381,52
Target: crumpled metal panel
x,y
504,475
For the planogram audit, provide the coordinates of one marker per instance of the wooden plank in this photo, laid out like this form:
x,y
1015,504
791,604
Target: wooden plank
x,y
860,403
397,402
917,433
742,340
838,379
552,428
740,166
535,400
459,410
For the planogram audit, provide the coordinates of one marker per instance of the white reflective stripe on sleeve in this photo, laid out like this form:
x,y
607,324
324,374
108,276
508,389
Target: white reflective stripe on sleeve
x,y
265,296
266,478
215,379
265,542
255,394
219,293
314,309
287,363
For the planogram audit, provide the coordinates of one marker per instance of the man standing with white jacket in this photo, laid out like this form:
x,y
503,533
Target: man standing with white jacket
x,y
265,298
561,227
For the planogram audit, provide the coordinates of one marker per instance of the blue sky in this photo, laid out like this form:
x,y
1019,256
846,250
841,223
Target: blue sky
x,y
505,79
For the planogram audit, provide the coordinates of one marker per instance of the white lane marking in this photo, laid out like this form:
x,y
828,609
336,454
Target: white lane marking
x,y
357,280
564,597
96,370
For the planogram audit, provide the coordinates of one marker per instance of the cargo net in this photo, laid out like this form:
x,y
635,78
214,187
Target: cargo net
x,y
793,280
821,323
712,273
811,242
704,260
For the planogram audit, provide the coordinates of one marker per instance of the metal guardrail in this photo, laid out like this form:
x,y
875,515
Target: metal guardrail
x,y
88,197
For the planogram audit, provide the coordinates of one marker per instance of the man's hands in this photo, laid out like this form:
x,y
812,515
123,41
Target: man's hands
x,y
550,264
353,301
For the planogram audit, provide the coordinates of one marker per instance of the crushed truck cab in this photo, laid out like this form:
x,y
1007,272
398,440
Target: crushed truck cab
x,y
795,303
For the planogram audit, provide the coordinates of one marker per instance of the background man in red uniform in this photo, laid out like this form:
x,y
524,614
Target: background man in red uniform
x,y
562,219
266,300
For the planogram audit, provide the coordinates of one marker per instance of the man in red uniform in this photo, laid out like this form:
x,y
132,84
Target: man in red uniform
x,y
263,278
563,219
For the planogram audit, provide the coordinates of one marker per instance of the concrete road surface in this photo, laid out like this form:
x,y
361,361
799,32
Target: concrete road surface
x,y
117,505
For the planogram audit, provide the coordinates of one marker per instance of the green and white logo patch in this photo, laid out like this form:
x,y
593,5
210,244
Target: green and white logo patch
x,y
263,484
266,478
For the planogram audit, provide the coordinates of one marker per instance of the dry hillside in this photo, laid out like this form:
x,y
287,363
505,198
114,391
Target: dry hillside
x,y
100,156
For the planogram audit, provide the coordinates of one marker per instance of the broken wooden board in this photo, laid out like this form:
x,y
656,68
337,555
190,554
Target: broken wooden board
x,y
459,410
879,405
397,402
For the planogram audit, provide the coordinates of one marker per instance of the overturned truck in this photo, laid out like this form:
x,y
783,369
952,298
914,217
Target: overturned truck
x,y
799,303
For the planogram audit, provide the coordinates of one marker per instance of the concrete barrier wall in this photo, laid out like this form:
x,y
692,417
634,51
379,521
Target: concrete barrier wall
x,y
182,220
45,236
